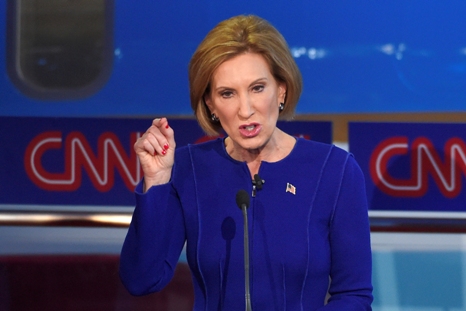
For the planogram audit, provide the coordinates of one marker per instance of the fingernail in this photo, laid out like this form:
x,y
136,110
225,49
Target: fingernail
x,y
166,126
164,152
165,146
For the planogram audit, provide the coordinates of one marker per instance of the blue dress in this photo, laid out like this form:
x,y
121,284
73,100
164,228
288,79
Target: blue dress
x,y
308,231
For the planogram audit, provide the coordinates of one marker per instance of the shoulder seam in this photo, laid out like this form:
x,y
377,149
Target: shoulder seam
x,y
337,197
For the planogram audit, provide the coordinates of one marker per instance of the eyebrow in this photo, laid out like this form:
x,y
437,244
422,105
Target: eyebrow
x,y
252,83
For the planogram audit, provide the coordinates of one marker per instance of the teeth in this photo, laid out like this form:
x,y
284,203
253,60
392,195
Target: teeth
x,y
250,127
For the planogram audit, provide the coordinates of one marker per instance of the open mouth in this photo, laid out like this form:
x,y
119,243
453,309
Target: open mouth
x,y
250,130
249,127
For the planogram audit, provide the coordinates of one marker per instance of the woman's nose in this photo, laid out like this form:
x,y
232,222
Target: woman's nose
x,y
245,107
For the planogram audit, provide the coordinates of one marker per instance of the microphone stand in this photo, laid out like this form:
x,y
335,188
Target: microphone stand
x,y
246,258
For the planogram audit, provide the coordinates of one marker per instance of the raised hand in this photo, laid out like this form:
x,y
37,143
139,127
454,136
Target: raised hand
x,y
156,152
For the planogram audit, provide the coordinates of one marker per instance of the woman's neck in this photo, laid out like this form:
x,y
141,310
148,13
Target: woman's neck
x,y
277,148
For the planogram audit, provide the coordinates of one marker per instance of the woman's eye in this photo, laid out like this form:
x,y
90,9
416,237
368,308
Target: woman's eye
x,y
258,88
226,94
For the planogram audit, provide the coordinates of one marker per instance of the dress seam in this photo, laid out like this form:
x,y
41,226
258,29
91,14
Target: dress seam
x,y
309,221
198,231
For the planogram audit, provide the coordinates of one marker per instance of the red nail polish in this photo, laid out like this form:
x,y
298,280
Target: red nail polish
x,y
166,126
164,152
165,146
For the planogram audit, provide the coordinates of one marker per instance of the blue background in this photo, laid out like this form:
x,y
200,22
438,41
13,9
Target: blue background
x,y
378,56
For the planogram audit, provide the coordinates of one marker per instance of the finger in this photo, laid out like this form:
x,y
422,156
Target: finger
x,y
148,142
157,140
159,122
168,132
148,147
144,145
162,125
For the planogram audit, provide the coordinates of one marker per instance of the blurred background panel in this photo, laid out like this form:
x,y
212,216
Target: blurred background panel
x,y
111,57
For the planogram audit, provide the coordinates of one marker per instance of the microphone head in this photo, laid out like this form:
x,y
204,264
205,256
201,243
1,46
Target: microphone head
x,y
242,198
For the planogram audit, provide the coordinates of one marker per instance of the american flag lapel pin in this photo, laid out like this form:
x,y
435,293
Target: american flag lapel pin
x,y
290,188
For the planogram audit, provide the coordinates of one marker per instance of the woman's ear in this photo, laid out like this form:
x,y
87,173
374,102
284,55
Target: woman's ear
x,y
208,102
281,92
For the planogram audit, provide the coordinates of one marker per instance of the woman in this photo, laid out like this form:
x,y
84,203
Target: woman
x,y
308,227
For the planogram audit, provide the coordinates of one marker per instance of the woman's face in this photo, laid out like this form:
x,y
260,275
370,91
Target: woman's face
x,y
246,97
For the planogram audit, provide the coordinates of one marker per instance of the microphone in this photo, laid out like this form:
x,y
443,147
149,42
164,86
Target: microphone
x,y
242,200
257,184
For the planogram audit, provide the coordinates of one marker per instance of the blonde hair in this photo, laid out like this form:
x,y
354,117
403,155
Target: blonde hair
x,y
231,37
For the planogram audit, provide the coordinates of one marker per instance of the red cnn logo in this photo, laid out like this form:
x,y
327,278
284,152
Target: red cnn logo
x,y
79,156
424,161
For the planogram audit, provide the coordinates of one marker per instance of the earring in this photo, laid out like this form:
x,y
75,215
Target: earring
x,y
281,107
214,118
